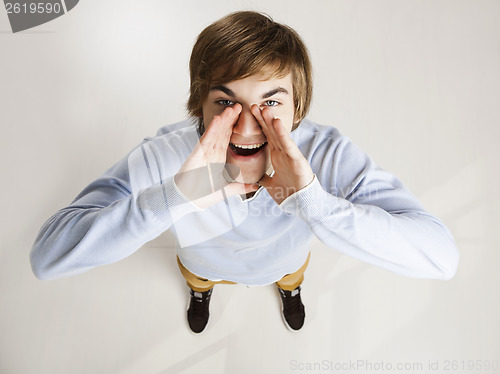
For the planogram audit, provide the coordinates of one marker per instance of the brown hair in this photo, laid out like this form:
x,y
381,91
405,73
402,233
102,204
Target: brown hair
x,y
242,44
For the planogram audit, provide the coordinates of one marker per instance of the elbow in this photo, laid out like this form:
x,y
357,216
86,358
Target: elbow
x,y
47,271
43,266
443,254
450,271
40,269
40,274
448,266
46,267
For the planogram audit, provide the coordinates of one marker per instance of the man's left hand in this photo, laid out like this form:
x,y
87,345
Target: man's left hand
x,y
292,171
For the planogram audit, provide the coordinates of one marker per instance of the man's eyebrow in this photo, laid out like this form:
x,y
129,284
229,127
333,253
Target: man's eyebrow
x,y
274,92
266,95
224,89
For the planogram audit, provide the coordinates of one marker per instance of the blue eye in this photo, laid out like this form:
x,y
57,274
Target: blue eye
x,y
271,103
225,102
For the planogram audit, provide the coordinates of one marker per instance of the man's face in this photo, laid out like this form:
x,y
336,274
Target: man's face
x,y
248,148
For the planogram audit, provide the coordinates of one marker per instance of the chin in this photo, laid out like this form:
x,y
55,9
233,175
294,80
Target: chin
x,y
249,178
239,174
245,173
248,169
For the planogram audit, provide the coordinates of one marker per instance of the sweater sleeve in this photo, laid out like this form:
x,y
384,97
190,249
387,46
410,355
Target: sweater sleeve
x,y
367,213
109,220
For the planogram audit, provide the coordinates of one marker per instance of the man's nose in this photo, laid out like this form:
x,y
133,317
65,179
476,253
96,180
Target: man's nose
x,y
247,124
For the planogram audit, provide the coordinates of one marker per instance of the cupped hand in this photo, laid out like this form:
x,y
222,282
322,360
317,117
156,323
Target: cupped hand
x,y
292,171
201,177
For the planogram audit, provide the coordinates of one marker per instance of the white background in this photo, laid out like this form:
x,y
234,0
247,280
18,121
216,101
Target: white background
x,y
416,84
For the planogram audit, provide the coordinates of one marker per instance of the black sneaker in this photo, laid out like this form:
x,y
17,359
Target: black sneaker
x,y
293,310
198,314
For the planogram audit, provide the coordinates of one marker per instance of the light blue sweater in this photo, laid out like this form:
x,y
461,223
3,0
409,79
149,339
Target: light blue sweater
x,y
352,206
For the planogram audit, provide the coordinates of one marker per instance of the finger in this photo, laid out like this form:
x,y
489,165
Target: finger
x,y
220,127
285,140
226,119
266,128
257,113
230,115
212,130
269,119
228,122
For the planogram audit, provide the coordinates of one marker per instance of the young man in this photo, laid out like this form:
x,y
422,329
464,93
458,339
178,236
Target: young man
x,y
246,183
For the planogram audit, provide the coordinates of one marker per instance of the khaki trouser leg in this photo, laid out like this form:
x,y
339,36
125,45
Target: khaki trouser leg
x,y
197,283
291,281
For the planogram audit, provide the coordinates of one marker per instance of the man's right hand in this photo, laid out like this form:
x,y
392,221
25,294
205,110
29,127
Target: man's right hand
x,y
201,178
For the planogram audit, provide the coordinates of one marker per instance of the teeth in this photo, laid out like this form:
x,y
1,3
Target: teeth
x,y
249,146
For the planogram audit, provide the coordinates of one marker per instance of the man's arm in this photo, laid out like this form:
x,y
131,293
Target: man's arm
x,y
369,215
133,203
105,223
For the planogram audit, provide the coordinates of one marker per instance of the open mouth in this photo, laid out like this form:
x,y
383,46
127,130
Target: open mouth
x,y
246,149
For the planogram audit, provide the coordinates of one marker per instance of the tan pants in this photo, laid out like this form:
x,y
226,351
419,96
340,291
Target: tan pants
x,y
288,283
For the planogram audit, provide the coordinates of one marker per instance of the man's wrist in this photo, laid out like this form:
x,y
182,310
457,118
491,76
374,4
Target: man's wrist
x,y
311,203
